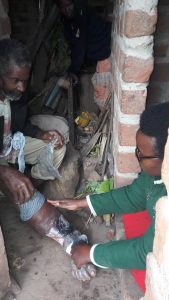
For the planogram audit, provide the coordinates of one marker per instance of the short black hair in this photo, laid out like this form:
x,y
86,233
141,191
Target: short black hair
x,y
13,52
59,1
154,122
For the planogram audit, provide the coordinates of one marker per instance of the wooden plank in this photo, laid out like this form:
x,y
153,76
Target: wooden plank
x,y
71,113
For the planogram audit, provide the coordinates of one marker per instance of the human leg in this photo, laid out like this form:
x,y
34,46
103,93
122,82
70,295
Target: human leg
x,y
33,152
69,169
48,122
48,221
34,147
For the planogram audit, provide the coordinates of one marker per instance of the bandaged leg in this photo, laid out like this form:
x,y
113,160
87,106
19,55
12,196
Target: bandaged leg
x,y
47,220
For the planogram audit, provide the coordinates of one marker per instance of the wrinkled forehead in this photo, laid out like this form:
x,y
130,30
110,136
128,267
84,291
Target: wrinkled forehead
x,y
15,68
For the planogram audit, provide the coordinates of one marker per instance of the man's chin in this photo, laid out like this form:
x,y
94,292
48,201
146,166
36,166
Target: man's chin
x,y
13,98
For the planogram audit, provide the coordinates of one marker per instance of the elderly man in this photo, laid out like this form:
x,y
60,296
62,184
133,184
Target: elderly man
x,y
14,73
22,141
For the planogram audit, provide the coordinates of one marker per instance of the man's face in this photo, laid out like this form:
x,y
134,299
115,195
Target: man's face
x,y
13,83
67,8
147,155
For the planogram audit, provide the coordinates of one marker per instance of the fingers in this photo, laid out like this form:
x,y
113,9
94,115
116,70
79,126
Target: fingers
x,y
29,188
23,188
68,204
54,203
80,274
85,273
54,133
91,269
24,192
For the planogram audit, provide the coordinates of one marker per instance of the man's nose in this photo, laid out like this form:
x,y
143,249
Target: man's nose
x,y
21,86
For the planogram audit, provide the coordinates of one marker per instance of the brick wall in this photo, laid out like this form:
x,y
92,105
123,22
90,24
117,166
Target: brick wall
x,y
158,90
132,55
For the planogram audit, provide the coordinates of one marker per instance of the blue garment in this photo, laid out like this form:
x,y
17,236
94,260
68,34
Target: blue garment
x,y
88,35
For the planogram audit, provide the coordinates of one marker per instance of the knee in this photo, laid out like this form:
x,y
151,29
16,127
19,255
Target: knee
x,y
59,155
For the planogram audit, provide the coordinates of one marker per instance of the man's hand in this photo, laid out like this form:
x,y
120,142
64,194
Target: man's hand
x,y
80,255
85,273
48,136
70,204
15,184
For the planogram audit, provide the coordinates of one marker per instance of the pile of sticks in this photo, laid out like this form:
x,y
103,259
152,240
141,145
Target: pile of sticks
x,y
103,133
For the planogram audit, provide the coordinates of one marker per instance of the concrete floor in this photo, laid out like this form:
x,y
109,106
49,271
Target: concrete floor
x,y
42,269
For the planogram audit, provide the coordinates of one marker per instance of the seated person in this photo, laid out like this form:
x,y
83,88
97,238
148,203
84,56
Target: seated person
x,y
88,34
141,195
15,67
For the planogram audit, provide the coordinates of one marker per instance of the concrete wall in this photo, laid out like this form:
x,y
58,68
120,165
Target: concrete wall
x,y
132,56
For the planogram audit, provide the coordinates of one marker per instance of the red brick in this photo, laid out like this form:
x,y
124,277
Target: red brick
x,y
137,70
139,23
133,69
127,134
133,102
161,72
122,181
127,163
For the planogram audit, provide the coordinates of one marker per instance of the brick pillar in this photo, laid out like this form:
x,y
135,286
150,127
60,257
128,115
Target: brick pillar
x,y
132,56
5,28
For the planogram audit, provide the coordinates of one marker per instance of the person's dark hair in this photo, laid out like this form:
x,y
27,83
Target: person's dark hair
x,y
13,52
58,2
154,122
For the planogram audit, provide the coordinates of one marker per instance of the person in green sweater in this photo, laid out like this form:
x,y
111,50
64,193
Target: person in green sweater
x,y
141,195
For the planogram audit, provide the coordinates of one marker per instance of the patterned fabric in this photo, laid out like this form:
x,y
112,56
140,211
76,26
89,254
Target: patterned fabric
x,y
32,206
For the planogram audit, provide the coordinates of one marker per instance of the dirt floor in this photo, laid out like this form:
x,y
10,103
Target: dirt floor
x,y
42,269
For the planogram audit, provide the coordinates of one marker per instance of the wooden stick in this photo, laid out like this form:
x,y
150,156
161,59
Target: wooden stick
x,y
71,112
108,137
